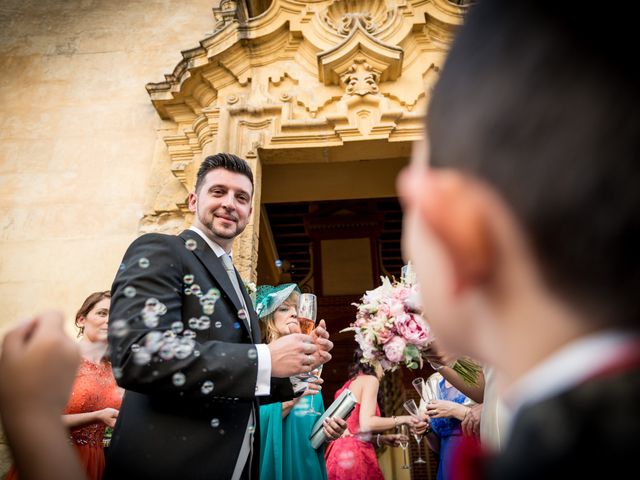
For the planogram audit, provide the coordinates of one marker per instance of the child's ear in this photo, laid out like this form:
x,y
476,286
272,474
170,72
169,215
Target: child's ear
x,y
455,211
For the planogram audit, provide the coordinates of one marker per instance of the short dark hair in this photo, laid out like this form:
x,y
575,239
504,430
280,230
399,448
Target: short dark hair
x,y
534,102
228,161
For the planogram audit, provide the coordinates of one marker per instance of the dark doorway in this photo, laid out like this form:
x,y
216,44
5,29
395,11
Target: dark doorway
x,y
304,231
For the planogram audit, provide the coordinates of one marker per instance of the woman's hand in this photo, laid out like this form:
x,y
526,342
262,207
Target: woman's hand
x,y
409,421
437,357
334,427
314,385
108,416
471,422
392,439
413,423
446,409
424,427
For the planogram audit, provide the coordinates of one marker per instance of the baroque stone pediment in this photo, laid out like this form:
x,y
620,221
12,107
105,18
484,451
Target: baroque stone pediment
x,y
331,49
305,74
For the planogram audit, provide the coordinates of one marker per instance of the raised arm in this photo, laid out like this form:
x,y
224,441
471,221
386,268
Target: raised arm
x,y
369,421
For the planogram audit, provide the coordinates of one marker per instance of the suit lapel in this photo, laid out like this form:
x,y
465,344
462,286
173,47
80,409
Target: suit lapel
x,y
214,265
252,317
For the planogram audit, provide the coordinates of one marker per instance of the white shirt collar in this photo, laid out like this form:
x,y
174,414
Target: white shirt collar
x,y
568,367
217,249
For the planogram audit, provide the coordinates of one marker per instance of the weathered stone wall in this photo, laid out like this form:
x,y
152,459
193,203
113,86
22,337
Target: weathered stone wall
x,y
78,139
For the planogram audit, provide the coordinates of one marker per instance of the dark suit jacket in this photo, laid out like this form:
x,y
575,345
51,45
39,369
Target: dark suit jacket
x,y
591,431
168,427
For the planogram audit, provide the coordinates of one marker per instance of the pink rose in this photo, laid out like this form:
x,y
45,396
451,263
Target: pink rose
x,y
394,349
413,329
385,335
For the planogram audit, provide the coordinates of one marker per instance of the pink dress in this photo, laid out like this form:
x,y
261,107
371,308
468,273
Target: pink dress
x,y
352,457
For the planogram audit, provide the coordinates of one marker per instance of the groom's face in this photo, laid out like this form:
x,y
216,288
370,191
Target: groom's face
x,y
222,205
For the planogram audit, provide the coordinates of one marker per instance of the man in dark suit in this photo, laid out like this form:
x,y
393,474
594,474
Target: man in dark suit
x,y
185,344
525,225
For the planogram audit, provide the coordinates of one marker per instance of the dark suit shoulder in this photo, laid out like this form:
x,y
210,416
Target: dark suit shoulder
x,y
155,242
589,429
157,238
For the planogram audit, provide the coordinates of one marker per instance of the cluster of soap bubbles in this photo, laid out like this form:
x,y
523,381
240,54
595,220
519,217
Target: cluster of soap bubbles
x,y
166,344
207,300
179,340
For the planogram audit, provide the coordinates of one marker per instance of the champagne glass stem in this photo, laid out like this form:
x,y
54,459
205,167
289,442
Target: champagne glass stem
x,y
419,442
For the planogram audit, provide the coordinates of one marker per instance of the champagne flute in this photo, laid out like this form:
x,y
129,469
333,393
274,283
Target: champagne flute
x,y
307,314
420,385
404,431
411,407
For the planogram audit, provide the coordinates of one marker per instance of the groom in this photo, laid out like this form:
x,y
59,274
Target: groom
x,y
185,344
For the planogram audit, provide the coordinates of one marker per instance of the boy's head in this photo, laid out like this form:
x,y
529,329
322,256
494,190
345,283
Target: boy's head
x,y
534,143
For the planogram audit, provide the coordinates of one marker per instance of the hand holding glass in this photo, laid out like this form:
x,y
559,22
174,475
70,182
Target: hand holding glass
x,y
411,407
307,314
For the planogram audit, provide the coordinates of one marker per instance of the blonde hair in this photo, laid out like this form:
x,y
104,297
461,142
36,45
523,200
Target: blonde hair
x,y
269,331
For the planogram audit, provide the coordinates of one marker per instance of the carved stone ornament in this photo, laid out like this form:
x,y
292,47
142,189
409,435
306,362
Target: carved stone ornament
x,y
360,79
343,16
350,20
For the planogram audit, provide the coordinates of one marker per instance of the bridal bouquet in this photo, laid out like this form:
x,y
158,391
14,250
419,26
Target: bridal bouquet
x,y
391,333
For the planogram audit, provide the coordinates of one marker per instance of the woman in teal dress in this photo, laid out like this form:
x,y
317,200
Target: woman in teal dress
x,y
285,450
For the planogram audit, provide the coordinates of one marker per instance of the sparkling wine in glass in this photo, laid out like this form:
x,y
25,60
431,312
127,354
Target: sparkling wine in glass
x,y
307,312
307,315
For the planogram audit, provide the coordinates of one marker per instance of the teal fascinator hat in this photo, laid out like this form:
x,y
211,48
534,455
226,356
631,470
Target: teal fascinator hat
x,y
268,298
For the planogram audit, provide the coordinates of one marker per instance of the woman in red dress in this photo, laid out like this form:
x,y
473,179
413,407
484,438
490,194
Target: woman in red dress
x,y
95,397
352,456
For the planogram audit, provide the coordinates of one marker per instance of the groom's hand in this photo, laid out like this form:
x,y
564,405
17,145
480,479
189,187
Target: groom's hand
x,y
291,355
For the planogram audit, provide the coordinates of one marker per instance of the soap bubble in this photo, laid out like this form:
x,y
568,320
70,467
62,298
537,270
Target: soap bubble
x,y
142,357
144,262
207,387
119,328
178,379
